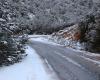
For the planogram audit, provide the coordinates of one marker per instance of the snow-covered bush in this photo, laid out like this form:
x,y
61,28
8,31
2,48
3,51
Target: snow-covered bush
x,y
11,47
11,50
90,32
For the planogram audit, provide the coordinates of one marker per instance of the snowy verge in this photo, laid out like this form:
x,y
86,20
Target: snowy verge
x,y
36,36
31,68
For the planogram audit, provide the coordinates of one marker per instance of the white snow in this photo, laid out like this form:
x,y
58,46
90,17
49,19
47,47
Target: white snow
x,y
42,38
2,19
31,16
35,36
31,68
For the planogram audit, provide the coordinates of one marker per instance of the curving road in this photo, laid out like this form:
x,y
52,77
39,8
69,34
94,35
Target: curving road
x,y
67,64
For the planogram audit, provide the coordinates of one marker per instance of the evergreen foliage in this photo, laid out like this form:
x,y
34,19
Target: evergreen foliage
x,y
90,32
45,15
11,49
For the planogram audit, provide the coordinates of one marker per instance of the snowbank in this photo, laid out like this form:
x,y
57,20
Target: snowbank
x,y
31,68
35,36
42,38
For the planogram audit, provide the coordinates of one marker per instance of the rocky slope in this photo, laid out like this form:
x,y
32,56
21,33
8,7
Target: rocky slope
x,y
84,35
69,37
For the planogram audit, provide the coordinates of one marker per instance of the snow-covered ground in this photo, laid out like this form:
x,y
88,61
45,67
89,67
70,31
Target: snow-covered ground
x,y
31,68
42,38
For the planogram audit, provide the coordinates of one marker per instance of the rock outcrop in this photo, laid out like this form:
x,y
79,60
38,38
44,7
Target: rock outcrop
x,y
69,37
70,33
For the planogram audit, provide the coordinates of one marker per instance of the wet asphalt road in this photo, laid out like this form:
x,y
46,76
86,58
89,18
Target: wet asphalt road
x,y
66,63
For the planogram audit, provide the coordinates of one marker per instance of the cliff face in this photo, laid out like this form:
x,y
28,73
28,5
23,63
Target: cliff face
x,y
46,14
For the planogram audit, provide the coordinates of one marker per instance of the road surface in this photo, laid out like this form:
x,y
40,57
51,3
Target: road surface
x,y
67,64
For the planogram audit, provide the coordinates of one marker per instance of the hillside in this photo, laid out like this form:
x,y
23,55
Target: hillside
x,y
84,35
45,16
49,39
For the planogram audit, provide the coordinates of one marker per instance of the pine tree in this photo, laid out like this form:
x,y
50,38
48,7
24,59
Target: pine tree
x,y
11,47
11,50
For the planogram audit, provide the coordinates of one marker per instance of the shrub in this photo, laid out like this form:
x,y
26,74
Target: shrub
x,y
11,49
90,32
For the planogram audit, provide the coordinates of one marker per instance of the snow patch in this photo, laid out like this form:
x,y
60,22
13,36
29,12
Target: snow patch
x,y
42,38
31,68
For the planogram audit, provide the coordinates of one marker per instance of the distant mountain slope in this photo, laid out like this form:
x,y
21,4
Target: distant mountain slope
x,y
37,15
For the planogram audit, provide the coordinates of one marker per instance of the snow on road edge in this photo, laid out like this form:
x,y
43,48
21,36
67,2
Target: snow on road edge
x,y
42,38
31,68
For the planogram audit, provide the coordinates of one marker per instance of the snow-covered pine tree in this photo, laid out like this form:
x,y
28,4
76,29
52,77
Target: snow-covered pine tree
x,y
11,47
